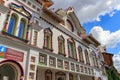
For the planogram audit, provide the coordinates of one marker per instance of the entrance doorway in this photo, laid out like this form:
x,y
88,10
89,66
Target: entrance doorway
x,y
8,72
60,76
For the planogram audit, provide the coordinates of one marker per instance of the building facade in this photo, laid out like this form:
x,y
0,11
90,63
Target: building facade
x,y
37,43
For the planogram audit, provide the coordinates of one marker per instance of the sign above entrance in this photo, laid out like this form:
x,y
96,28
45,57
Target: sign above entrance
x,y
11,54
14,55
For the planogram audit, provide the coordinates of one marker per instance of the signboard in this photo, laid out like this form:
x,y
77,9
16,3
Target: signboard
x,y
11,54
14,55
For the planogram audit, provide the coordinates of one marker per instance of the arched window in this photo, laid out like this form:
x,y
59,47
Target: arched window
x,y
12,24
48,39
61,45
94,59
48,75
87,57
21,28
80,54
72,49
70,26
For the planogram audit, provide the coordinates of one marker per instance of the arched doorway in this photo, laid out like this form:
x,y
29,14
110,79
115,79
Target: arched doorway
x,y
48,75
8,72
60,76
11,70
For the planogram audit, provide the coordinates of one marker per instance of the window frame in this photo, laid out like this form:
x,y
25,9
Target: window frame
x,y
48,39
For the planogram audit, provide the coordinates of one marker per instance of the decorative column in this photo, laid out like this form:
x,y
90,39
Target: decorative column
x,y
6,21
67,76
78,77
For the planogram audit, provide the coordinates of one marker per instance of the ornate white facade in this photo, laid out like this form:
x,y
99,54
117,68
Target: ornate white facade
x,y
37,43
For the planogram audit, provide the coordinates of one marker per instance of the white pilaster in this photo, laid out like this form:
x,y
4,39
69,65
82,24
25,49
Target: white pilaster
x,y
67,76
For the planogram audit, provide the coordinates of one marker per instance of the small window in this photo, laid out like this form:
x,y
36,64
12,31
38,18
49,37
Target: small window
x,y
61,45
72,49
48,39
29,3
87,57
80,54
38,9
34,6
35,38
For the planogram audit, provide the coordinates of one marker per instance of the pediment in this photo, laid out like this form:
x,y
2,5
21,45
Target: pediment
x,y
74,20
20,9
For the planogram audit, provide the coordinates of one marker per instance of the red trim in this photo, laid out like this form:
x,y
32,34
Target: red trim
x,y
18,64
6,21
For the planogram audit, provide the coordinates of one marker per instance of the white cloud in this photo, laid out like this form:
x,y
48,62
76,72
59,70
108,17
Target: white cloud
x,y
105,37
89,10
116,59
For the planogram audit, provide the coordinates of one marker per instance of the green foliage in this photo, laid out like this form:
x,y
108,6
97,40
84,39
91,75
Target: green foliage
x,y
112,74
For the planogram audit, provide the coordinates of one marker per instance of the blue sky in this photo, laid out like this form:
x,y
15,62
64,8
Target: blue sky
x,y
107,22
101,18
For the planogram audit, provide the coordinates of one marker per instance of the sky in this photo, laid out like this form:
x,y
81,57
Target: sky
x,y
101,18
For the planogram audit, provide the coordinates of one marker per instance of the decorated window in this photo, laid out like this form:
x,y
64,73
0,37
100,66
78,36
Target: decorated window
x,y
22,28
80,54
35,38
60,63
72,49
77,68
43,59
52,61
94,58
72,66
92,71
61,45
81,69
85,69
16,26
89,71
32,59
12,24
87,57
48,39
66,65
